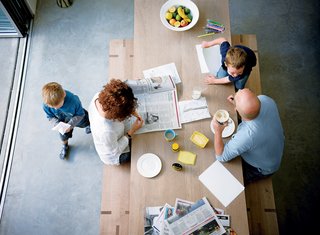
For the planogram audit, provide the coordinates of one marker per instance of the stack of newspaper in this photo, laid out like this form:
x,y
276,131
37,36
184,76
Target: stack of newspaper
x,y
186,218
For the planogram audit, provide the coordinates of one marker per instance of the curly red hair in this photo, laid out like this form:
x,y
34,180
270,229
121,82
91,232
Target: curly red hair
x,y
117,100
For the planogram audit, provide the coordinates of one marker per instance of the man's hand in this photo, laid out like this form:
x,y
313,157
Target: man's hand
x,y
218,128
218,143
231,99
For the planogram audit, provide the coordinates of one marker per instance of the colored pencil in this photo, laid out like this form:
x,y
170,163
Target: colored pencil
x,y
204,35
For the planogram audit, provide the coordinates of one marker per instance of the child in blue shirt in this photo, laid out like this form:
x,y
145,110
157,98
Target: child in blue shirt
x,y
62,106
236,63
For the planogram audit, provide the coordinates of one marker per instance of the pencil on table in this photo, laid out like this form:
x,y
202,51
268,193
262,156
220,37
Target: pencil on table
x,y
207,34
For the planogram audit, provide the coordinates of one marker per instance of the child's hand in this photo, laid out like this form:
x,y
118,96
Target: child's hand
x,y
210,79
205,44
68,130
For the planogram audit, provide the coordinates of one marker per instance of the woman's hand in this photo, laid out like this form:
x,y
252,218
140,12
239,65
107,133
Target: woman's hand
x,y
136,125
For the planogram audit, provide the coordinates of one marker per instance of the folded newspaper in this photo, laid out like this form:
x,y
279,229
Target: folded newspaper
x,y
62,127
163,70
193,110
186,218
157,103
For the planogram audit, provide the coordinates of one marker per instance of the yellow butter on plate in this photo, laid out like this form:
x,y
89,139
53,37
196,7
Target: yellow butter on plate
x,y
187,157
199,139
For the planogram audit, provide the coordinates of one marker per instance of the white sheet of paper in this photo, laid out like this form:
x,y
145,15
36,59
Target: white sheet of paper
x,y
193,110
209,59
222,184
163,70
61,127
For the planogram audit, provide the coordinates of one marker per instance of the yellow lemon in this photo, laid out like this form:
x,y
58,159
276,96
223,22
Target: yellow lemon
x,y
172,9
168,16
177,24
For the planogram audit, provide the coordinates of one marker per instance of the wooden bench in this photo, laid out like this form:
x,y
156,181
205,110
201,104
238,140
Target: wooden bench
x,y
114,217
262,214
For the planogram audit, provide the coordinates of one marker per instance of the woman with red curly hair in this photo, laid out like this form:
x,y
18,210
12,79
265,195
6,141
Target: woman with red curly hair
x,y
107,112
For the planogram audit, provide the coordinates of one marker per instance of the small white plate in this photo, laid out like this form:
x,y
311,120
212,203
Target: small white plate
x,y
149,165
228,130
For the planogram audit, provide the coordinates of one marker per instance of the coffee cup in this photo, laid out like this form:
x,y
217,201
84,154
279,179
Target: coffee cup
x,y
222,116
169,135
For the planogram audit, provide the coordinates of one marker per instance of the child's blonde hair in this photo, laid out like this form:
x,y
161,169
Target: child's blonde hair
x,y
236,57
52,94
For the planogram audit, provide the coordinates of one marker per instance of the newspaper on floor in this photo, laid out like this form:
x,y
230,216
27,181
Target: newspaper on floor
x,y
157,103
193,110
163,70
195,219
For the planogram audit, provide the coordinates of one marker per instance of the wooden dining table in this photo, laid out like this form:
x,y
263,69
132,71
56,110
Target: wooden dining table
x,y
155,45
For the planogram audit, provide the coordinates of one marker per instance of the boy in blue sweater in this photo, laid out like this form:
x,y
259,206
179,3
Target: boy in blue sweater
x,y
236,63
62,106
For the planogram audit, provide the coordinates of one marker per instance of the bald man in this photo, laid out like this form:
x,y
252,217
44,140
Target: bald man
x,y
259,138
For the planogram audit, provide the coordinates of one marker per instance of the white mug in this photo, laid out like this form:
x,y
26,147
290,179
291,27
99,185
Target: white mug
x,y
222,116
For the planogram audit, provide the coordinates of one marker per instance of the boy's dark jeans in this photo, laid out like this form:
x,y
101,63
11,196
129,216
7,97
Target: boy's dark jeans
x,y
84,123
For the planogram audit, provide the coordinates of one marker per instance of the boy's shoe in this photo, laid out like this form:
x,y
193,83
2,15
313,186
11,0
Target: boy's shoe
x,y
64,152
88,130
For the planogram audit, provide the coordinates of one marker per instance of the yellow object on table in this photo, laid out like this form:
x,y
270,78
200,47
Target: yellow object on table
x,y
199,139
175,147
187,157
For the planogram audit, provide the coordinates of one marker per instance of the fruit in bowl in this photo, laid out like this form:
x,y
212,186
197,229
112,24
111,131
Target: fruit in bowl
x,y
177,17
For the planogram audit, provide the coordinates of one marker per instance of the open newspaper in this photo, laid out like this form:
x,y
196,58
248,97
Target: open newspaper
x,y
157,103
197,218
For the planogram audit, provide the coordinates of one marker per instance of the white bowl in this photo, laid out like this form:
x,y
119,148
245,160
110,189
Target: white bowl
x,y
186,3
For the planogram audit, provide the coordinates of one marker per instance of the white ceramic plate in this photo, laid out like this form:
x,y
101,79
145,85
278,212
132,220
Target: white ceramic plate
x,y
228,130
187,3
149,165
